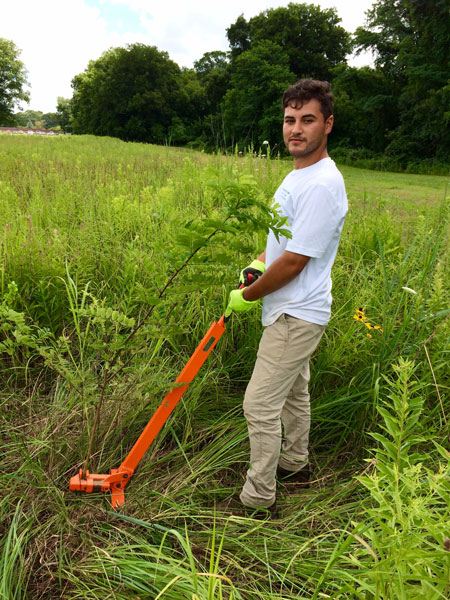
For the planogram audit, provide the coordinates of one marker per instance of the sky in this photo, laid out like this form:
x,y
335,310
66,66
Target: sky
x,y
58,38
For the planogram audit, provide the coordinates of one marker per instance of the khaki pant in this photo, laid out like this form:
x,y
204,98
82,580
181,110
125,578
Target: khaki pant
x,y
278,393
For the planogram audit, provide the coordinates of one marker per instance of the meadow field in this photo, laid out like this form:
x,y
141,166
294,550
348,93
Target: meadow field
x,y
115,260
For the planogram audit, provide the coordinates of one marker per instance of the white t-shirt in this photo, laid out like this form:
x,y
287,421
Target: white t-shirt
x,y
315,202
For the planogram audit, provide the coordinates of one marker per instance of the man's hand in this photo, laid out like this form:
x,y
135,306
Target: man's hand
x,y
236,303
279,273
255,269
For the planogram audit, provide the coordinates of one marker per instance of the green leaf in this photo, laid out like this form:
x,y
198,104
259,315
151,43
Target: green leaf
x,y
391,423
442,451
390,448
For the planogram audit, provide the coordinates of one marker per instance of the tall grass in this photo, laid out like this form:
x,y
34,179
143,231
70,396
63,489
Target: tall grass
x,y
87,243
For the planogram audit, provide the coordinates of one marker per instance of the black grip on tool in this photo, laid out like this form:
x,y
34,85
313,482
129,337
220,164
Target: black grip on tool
x,y
250,277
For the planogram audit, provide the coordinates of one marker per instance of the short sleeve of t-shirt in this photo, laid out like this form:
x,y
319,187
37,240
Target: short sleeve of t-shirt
x,y
315,221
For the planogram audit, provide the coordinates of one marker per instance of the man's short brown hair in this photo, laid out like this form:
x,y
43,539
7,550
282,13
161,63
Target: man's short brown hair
x,y
310,89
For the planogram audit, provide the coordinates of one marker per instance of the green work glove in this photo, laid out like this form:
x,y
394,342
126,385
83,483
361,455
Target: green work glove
x,y
255,269
236,303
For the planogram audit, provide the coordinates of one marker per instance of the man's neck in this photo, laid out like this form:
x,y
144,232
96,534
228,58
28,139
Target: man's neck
x,y
306,161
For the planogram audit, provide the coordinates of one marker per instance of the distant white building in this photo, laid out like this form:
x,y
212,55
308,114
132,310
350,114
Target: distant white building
x,y
30,131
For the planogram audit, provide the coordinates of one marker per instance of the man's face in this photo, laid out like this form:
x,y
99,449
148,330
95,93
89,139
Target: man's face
x,y
305,130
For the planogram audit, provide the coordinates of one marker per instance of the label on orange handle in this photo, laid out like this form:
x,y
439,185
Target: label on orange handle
x,y
209,344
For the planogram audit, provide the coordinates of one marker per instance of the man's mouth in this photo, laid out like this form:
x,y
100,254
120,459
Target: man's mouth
x,y
297,139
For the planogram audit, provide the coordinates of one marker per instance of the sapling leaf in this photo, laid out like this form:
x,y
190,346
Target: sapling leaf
x,y
184,239
385,469
391,423
416,457
389,447
442,451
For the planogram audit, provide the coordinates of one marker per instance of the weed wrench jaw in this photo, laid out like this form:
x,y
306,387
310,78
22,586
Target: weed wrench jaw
x,y
87,482
115,483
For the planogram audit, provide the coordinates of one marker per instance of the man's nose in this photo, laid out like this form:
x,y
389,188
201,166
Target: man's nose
x,y
297,127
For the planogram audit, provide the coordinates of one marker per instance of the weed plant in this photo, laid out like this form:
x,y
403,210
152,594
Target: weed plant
x,y
115,259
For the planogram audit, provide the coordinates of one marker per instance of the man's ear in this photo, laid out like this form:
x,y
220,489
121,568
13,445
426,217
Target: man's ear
x,y
329,124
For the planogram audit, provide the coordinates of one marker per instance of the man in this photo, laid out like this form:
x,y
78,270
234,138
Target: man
x,y
293,277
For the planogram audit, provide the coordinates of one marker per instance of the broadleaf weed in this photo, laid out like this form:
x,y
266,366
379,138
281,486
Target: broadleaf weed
x,y
406,521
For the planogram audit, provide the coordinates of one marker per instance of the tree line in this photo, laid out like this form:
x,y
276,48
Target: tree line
x,y
395,114
50,120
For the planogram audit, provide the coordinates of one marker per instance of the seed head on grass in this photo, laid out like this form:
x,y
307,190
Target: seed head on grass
x,y
409,290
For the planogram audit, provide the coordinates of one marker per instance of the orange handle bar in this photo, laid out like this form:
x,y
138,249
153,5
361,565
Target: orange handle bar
x,y
118,478
171,399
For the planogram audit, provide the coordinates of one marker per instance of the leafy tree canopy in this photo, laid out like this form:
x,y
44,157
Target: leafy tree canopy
x,y
190,104
64,112
130,93
13,78
310,36
36,118
410,39
211,61
252,107
213,71
364,108
406,34
27,118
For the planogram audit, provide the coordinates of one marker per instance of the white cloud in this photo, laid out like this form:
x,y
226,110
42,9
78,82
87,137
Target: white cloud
x,y
59,37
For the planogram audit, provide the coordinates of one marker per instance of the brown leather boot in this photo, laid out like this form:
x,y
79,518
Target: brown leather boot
x,y
234,507
295,479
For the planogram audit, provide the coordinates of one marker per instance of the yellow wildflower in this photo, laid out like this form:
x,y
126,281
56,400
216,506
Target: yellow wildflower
x,y
361,317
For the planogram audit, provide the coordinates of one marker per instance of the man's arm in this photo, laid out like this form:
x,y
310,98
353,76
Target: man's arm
x,y
283,270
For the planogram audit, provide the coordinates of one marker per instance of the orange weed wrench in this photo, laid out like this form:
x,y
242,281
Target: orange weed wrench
x,y
118,478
